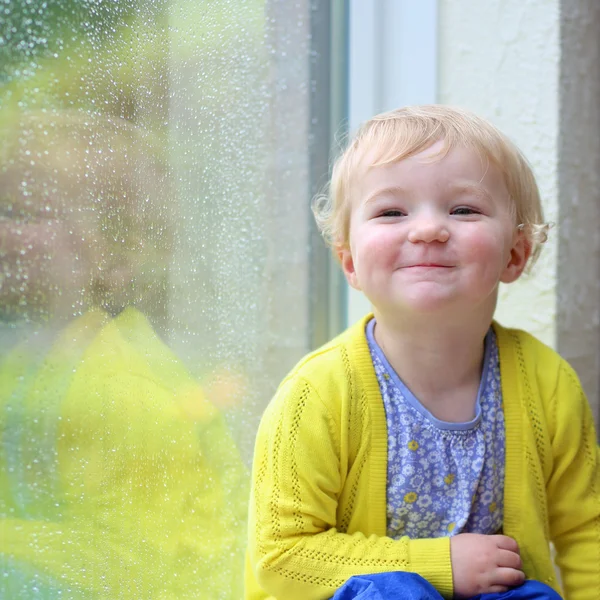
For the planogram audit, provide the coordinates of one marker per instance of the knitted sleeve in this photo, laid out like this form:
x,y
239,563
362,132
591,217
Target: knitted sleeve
x,y
295,547
573,489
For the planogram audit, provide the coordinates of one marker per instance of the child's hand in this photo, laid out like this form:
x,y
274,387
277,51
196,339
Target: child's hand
x,y
483,564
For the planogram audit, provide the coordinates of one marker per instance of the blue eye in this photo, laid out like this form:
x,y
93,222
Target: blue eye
x,y
465,210
393,213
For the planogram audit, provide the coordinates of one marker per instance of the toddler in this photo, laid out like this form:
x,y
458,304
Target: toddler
x,y
427,438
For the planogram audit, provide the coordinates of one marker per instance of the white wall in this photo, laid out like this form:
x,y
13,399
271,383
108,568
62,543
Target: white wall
x,y
500,58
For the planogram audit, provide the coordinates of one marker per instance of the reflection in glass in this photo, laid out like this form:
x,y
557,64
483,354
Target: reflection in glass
x,y
116,466
154,236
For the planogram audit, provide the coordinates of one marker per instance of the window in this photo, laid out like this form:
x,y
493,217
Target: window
x,y
159,275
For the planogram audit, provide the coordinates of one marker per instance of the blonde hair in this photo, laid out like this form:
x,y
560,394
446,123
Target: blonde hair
x,y
393,136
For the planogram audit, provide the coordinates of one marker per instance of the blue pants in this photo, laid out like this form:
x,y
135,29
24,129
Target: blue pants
x,y
409,586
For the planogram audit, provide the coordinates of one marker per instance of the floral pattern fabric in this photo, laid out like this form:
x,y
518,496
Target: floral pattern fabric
x,y
442,478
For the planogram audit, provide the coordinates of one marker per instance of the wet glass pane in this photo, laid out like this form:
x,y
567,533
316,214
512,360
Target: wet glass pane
x,y
154,283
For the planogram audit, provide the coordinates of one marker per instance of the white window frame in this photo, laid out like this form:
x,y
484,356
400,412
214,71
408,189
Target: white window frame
x,y
393,61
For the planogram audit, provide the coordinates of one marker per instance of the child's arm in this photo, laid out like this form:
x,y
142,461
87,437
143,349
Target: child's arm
x,y
295,550
573,489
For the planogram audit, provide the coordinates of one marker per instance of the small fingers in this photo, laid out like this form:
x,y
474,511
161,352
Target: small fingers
x,y
506,543
509,559
504,576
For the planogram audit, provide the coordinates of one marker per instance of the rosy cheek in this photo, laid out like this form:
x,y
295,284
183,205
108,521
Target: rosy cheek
x,y
485,240
381,239
488,250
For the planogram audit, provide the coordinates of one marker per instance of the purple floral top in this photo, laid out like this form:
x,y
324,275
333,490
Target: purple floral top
x,y
442,478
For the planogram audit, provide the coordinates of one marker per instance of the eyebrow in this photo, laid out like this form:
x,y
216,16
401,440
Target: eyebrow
x,y
396,190
470,187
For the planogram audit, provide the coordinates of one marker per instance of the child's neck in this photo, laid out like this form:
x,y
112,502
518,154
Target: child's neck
x,y
440,364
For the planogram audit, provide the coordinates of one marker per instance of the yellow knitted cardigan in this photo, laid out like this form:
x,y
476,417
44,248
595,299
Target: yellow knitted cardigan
x,y
318,502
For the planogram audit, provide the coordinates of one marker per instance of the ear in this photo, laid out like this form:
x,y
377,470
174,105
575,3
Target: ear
x,y
519,255
344,254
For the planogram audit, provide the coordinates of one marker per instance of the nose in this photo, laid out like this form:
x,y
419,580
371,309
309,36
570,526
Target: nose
x,y
428,229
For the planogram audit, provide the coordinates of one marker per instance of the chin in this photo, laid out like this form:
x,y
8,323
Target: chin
x,y
428,307
429,298
429,304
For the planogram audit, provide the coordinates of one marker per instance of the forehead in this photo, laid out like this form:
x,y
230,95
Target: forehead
x,y
433,167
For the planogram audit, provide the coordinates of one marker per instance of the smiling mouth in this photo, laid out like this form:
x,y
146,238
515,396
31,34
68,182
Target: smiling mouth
x,y
428,266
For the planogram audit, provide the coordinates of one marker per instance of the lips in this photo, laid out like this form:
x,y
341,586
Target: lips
x,y
428,265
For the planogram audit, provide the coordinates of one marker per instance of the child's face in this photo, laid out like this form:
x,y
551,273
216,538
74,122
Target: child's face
x,y
430,234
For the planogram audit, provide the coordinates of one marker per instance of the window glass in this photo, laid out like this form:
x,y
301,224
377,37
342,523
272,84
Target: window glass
x,y
157,159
